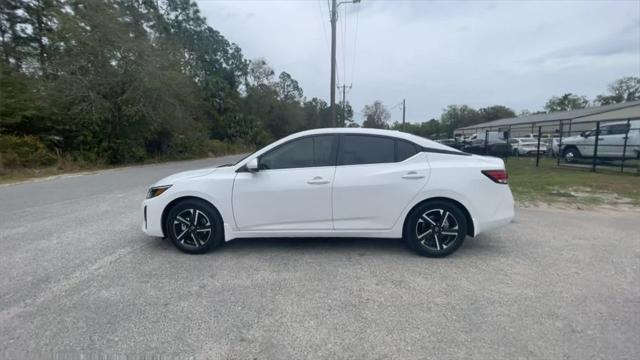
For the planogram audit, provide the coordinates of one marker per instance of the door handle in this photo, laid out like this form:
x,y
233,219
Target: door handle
x,y
318,180
413,175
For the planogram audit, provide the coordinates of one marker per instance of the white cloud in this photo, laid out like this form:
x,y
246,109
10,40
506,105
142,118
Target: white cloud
x,y
439,53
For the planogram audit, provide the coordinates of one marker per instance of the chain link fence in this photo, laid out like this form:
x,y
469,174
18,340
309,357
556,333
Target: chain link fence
x,y
612,144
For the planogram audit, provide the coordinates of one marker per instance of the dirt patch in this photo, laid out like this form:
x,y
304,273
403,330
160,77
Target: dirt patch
x,y
582,198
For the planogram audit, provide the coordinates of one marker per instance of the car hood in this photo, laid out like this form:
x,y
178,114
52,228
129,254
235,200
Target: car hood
x,y
171,179
572,139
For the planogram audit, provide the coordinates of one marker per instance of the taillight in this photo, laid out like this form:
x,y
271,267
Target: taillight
x,y
498,176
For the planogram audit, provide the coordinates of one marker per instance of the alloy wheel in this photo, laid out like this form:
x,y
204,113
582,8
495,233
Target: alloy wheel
x,y
437,229
192,228
569,156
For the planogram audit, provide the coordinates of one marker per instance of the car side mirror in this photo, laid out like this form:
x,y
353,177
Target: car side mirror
x,y
252,165
583,134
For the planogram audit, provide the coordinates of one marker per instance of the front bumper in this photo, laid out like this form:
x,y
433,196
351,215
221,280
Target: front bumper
x,y
152,217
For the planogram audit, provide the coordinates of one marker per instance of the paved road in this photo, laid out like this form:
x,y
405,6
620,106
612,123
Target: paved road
x,y
78,277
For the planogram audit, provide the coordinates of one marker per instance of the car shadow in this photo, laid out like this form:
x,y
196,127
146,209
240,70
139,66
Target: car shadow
x,y
479,246
315,244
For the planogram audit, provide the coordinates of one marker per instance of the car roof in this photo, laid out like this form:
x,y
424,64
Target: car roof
x,y
380,132
619,122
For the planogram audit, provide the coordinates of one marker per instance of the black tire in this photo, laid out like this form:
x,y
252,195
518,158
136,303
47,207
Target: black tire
x,y
425,222
187,223
571,154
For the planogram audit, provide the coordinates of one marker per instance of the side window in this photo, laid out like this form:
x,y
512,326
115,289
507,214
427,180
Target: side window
x,y
405,150
363,149
301,153
324,150
619,129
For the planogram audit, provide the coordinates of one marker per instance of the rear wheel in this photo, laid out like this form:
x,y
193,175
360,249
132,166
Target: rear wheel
x,y
194,226
436,229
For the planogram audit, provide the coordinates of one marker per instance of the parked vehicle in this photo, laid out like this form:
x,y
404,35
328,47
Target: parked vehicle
x,y
611,141
336,183
448,142
555,146
495,144
527,146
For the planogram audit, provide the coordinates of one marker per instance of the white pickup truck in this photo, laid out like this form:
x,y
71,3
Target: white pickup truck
x,y
610,142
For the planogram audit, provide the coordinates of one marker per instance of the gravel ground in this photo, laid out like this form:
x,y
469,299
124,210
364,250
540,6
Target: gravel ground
x,y
80,279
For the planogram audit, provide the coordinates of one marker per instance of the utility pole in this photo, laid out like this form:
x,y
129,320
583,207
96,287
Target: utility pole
x,y
404,108
344,102
334,19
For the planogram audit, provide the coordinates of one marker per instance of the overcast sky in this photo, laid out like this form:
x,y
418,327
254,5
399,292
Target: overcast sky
x,y
434,54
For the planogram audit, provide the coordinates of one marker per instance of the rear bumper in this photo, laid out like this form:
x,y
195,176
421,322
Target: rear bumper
x,y
495,223
503,214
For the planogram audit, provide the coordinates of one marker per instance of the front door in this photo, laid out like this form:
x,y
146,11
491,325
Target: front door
x,y
292,189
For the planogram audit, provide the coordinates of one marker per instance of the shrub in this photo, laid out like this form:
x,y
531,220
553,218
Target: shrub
x,y
24,151
217,147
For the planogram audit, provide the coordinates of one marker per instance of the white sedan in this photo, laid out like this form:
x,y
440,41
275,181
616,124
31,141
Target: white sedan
x,y
336,183
527,146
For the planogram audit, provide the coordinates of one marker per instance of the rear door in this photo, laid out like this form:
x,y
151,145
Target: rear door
x,y
611,141
376,178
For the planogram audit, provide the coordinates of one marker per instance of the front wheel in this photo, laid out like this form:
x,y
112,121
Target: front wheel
x,y
194,226
570,154
436,229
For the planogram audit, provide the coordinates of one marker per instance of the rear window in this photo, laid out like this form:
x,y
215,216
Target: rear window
x,y
363,149
405,150
367,149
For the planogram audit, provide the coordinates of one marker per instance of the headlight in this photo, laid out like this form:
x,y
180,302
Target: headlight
x,y
157,190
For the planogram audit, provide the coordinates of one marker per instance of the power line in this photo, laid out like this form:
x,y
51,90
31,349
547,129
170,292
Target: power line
x,y
324,27
334,19
355,47
395,106
344,102
344,44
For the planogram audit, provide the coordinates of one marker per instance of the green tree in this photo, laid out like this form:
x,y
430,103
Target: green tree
x,y
621,90
260,73
496,112
566,102
376,116
456,116
17,102
344,114
13,37
288,89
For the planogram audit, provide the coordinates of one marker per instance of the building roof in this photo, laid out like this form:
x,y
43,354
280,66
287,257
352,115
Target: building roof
x,y
577,114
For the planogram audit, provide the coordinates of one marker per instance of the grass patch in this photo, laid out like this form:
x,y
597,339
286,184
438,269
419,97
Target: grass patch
x,y
66,165
550,184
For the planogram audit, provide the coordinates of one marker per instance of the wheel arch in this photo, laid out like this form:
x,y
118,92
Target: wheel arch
x,y
176,201
565,148
459,205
